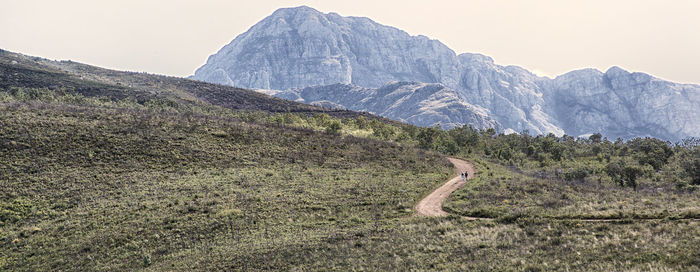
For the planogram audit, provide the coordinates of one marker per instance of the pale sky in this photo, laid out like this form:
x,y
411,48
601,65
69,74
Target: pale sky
x,y
548,37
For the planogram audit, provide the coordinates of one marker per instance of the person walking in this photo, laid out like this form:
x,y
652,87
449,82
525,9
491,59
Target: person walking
x,y
466,175
463,176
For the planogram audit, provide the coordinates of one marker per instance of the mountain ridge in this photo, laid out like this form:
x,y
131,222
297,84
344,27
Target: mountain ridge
x,y
302,47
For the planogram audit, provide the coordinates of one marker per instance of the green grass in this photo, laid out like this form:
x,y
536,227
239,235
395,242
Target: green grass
x,y
110,189
109,171
103,189
499,191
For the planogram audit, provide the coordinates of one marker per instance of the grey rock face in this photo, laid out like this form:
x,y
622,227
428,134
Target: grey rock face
x,y
301,47
512,94
623,104
423,104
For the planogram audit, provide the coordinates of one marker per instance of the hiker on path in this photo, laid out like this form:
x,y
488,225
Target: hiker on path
x,y
462,176
465,175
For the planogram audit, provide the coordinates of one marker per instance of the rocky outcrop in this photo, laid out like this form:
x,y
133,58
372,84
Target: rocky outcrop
x,y
623,104
423,104
512,95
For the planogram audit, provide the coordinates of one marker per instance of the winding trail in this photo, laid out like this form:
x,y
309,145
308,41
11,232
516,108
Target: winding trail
x,y
431,205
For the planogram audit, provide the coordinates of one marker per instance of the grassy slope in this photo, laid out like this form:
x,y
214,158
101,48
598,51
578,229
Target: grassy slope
x,y
499,191
126,171
17,70
96,189
91,188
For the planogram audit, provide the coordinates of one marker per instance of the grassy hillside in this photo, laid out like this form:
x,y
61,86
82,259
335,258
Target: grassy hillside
x,y
92,188
104,170
18,70
546,176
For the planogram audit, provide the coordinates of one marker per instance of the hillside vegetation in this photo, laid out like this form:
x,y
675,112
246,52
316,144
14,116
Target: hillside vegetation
x,y
104,170
120,188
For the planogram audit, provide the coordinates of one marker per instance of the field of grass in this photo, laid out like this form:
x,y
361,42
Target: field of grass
x,y
499,191
103,189
454,244
111,171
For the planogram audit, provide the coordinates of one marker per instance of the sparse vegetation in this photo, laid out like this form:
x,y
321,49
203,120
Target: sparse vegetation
x,y
124,189
125,171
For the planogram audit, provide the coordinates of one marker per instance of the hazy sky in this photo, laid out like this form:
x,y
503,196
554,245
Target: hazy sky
x,y
549,37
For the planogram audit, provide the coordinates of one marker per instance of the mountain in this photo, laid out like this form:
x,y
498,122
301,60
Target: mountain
x,y
302,47
423,104
624,104
512,95
104,170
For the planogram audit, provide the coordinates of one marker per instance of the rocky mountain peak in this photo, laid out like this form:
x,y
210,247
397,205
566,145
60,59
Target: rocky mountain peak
x,y
616,71
300,48
302,10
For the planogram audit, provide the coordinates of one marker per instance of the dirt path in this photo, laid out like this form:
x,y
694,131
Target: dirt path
x,y
431,205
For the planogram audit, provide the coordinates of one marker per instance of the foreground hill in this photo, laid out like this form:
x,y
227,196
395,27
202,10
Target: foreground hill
x,y
100,175
17,70
104,188
302,47
128,176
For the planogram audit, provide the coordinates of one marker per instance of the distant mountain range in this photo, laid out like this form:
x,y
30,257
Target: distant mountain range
x,y
304,55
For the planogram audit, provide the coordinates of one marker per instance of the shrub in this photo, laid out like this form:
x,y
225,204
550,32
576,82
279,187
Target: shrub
x,y
651,151
426,137
334,127
382,131
595,138
691,167
575,174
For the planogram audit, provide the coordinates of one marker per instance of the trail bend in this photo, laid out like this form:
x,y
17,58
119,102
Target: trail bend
x,y
431,205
